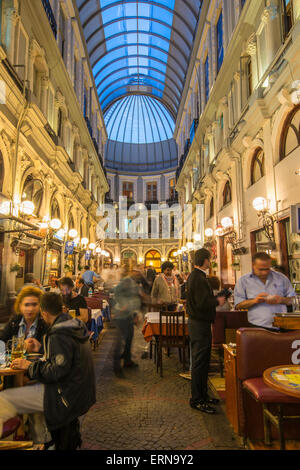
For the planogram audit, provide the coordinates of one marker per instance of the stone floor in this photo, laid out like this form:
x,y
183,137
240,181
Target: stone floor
x,y
145,411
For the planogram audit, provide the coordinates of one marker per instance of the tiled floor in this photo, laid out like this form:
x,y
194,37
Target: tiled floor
x,y
145,411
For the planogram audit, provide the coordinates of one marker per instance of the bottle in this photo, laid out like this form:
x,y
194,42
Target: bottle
x,y
90,293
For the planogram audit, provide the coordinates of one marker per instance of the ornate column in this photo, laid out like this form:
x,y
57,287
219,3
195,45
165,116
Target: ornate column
x,y
251,49
237,78
272,36
44,94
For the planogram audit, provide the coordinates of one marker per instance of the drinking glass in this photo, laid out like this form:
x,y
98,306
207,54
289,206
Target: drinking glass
x,y
17,347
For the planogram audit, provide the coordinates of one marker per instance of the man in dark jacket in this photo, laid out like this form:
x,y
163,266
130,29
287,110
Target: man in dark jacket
x,y
66,388
201,309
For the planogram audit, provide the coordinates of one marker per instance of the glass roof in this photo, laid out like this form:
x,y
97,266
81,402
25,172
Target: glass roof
x,y
138,119
139,47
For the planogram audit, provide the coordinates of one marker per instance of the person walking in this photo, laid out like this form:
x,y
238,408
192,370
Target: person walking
x,y
201,308
127,303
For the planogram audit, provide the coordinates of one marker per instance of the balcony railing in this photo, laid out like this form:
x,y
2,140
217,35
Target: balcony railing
x,y
50,15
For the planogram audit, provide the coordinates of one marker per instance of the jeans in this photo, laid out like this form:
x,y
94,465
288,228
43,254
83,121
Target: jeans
x,y
124,338
201,340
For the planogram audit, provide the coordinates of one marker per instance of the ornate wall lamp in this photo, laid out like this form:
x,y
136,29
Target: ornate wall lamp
x,y
266,219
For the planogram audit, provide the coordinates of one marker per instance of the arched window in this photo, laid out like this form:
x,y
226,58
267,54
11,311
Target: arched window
x,y
227,193
153,260
290,137
257,166
54,210
1,171
33,191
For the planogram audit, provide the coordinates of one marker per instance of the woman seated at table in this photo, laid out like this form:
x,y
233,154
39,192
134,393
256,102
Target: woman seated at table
x,y
27,321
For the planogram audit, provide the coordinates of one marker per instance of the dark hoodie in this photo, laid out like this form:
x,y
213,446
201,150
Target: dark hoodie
x,y
67,372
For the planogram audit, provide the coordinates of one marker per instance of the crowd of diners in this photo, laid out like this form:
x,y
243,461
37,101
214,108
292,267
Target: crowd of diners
x,y
60,384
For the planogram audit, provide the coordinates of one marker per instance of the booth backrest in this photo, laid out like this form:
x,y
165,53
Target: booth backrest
x,y
232,319
258,349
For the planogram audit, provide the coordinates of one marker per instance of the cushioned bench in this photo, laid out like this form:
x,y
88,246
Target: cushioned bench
x,y
259,405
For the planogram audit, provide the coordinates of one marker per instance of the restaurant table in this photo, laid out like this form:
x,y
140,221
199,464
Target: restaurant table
x,y
151,326
287,321
16,373
97,322
284,379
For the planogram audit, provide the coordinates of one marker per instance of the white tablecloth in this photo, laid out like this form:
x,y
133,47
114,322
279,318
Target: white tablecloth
x,y
153,317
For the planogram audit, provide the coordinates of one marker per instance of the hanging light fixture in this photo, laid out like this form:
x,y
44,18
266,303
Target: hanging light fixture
x,y
209,232
26,207
226,222
73,233
219,230
92,246
55,224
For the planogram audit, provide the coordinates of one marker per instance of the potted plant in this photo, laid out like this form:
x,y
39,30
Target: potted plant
x,y
15,268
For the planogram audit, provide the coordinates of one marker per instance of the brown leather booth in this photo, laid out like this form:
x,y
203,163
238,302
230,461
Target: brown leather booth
x,y
257,350
232,319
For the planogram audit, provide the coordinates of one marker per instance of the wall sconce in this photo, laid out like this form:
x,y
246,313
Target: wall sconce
x,y
266,219
226,229
209,232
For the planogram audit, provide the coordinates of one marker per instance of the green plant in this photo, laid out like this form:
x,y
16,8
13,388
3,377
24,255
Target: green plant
x,y
15,268
214,265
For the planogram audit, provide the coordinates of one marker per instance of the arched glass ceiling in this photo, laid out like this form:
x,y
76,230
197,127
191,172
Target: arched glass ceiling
x,y
138,119
139,47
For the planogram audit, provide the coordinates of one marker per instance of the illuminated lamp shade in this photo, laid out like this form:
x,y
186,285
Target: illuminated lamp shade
x,y
55,224
179,252
219,230
27,207
141,259
183,249
43,225
73,233
92,246
163,260
106,254
84,241
259,203
98,250
5,208
117,260
190,245
197,237
209,232
175,254
226,222
61,233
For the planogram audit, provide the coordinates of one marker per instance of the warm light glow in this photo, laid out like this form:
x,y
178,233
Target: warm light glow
x,y
5,208
84,241
197,237
219,230
183,249
61,233
190,245
141,259
226,222
209,232
27,207
43,225
151,263
73,233
175,254
163,260
55,224
92,246
98,250
297,172
259,203
117,260
179,252
106,254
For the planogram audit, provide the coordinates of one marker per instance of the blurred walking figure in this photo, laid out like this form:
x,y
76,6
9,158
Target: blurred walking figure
x,y
127,304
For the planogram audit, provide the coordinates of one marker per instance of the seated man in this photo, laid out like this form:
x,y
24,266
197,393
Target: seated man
x,y
83,289
66,388
72,300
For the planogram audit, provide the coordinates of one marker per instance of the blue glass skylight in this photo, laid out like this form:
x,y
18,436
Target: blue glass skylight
x,y
138,119
139,47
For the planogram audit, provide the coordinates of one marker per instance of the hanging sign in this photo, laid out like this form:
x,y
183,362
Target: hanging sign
x,y
69,248
87,255
185,257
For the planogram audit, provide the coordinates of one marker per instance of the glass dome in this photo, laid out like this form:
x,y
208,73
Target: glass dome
x,y
139,119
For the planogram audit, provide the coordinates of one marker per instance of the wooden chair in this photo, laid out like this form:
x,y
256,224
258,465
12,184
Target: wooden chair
x,y
171,335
